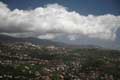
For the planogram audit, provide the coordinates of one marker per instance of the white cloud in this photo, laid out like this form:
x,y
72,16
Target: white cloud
x,y
56,19
47,36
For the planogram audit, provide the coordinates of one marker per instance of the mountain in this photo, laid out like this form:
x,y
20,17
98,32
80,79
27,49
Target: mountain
x,y
42,42
37,41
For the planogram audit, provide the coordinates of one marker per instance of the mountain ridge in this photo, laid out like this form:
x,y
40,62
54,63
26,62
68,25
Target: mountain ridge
x,y
43,42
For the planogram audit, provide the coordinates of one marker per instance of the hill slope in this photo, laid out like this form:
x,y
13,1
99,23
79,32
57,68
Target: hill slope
x,y
44,42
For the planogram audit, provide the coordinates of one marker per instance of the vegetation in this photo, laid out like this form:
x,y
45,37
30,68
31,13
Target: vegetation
x,y
21,61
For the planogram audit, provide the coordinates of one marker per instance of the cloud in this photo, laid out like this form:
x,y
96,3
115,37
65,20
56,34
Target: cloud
x,y
47,36
47,21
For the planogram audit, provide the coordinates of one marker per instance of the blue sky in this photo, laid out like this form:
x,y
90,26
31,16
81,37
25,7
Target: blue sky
x,y
84,7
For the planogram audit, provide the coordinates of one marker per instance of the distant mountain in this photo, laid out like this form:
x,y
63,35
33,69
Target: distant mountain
x,y
42,42
37,41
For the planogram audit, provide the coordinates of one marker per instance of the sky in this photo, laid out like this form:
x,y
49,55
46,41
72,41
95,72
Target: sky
x,y
84,7
89,22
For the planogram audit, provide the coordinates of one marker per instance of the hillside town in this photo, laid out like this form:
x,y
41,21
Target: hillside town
x,y
26,61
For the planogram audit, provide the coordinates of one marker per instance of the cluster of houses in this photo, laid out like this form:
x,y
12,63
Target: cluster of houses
x,y
55,69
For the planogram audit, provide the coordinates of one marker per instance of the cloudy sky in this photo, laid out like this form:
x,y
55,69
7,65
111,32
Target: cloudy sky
x,y
93,22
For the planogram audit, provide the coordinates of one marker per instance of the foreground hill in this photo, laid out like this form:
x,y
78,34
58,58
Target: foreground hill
x,y
26,61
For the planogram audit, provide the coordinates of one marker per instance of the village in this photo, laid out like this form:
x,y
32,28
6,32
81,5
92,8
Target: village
x,y
27,61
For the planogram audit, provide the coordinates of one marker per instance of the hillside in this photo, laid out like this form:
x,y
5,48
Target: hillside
x,y
43,42
22,61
